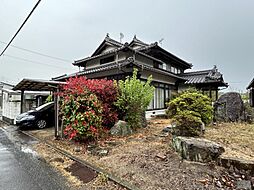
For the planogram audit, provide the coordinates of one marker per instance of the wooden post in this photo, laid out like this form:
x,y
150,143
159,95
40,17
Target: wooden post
x,y
210,92
22,102
217,94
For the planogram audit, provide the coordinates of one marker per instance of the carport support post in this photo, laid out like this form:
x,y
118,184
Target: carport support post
x,y
56,102
22,102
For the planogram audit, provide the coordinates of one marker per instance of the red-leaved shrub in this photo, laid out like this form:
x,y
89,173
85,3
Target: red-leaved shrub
x,y
106,92
81,111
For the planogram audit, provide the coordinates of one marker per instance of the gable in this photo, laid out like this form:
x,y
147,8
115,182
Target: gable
x,y
136,46
136,43
107,45
107,48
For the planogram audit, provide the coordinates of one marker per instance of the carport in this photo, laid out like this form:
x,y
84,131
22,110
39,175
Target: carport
x,y
42,85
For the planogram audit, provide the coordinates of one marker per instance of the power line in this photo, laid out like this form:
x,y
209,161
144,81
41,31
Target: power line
x,y
20,27
36,62
38,53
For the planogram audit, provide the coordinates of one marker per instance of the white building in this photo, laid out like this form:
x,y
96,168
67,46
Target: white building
x,y
10,102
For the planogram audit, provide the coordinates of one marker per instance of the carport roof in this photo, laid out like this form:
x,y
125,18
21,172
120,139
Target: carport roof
x,y
37,85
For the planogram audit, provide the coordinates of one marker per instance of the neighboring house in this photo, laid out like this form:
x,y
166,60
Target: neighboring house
x,y
114,60
10,101
250,88
3,86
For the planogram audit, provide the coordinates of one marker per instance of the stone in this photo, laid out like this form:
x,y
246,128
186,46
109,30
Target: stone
x,y
237,163
121,128
57,159
77,149
218,184
243,185
102,152
197,149
161,156
167,129
252,182
229,108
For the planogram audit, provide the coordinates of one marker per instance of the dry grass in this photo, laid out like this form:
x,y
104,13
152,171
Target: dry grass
x,y
135,159
237,138
48,154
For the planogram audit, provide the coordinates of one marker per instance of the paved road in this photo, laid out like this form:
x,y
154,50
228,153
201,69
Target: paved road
x,y
22,171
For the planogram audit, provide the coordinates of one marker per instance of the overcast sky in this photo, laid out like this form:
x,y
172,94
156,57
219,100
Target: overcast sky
x,y
202,32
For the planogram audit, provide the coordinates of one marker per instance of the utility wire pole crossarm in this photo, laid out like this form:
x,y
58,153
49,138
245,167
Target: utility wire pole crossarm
x,y
20,27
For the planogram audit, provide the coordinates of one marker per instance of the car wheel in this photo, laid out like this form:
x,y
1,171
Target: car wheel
x,y
41,124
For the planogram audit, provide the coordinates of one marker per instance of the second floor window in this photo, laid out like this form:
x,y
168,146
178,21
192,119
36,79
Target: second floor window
x,y
107,59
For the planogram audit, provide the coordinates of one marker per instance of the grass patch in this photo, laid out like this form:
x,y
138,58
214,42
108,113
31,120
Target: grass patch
x,y
236,137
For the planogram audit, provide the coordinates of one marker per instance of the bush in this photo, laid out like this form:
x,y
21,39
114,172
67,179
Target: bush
x,y
81,111
192,100
189,110
106,92
134,98
49,99
187,124
248,112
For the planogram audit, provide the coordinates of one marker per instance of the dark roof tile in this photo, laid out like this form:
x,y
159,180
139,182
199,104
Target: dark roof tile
x,y
204,76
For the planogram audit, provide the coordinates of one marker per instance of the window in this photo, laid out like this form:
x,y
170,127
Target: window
x,y
157,65
173,69
164,66
162,95
168,67
107,59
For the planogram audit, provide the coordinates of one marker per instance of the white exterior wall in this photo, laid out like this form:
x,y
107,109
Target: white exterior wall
x,y
158,77
1,102
144,60
96,62
108,48
11,105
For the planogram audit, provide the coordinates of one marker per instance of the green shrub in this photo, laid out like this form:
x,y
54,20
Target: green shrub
x,y
189,110
188,123
192,100
49,98
134,98
248,112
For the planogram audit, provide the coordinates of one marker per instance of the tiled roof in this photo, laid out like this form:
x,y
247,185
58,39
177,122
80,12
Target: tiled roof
x,y
205,76
100,55
147,47
107,40
119,64
155,44
140,50
104,67
135,40
112,41
251,85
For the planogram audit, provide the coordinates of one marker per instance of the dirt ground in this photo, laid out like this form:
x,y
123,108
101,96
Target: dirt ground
x,y
62,163
237,138
146,160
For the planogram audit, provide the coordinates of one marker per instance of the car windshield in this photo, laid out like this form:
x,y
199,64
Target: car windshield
x,y
43,106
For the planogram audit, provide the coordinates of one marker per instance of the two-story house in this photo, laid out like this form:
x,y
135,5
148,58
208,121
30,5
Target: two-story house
x,y
115,60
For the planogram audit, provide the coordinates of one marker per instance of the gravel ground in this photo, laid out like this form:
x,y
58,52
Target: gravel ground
x,y
147,160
